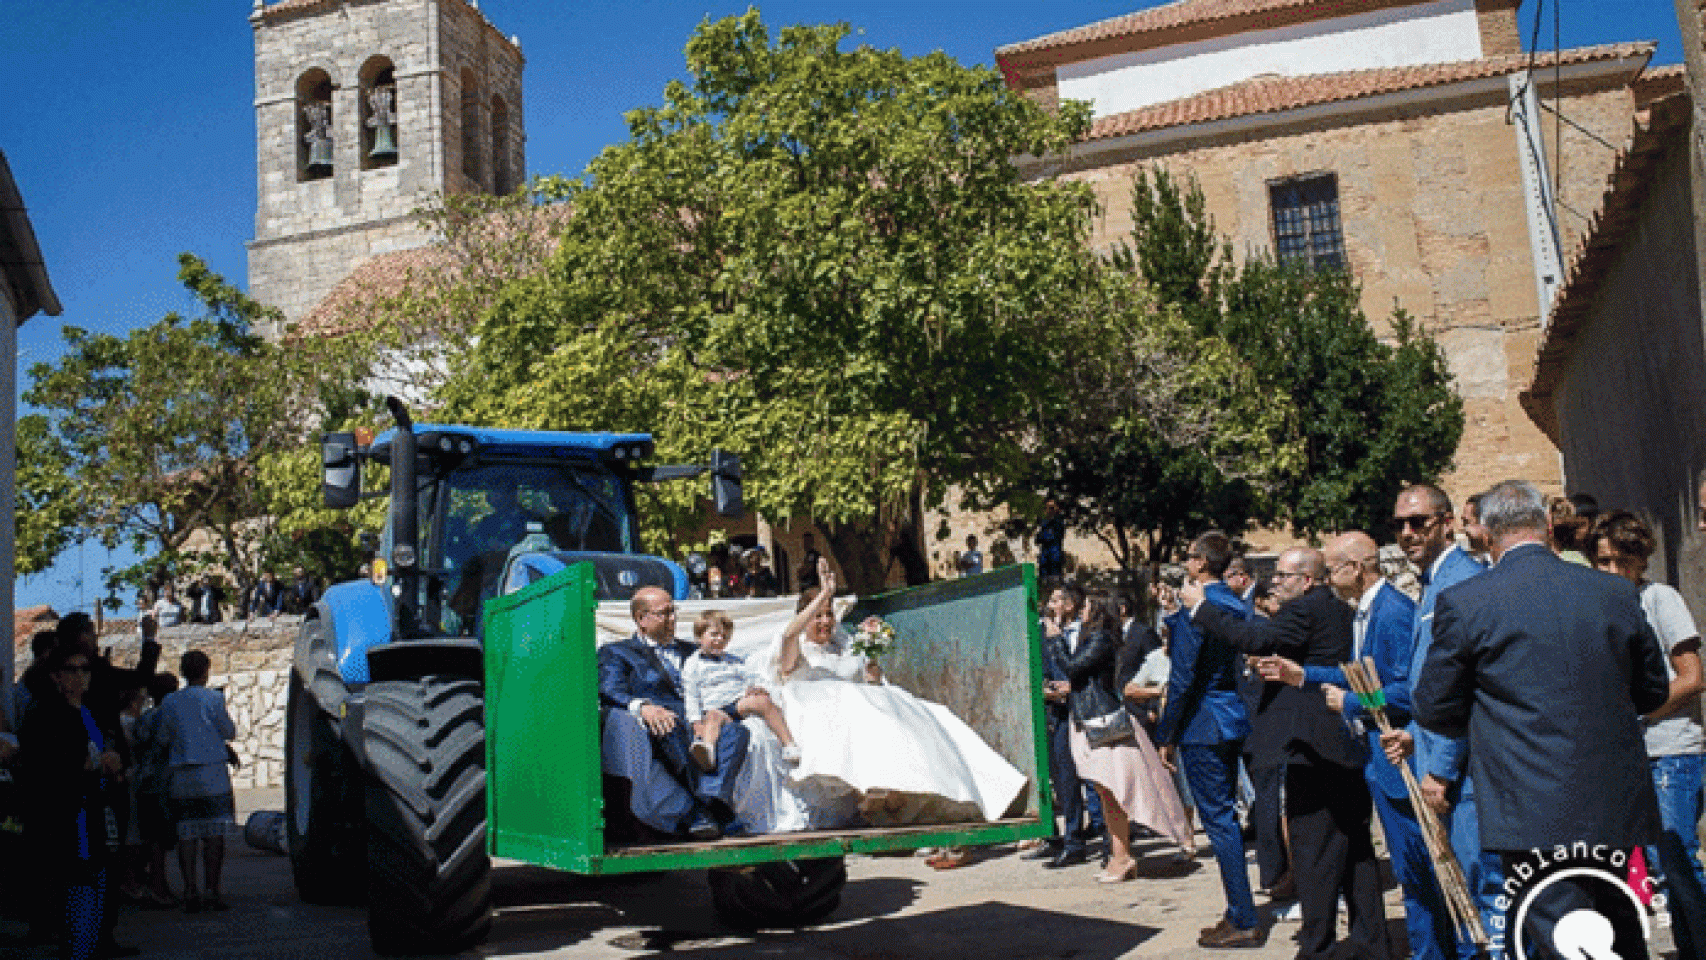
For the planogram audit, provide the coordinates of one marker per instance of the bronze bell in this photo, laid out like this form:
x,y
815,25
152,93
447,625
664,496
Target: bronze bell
x,y
384,141
320,154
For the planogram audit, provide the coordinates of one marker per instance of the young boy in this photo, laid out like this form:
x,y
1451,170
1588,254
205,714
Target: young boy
x,y
719,688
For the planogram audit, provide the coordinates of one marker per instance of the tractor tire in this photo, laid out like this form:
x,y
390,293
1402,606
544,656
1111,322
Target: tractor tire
x,y
322,804
428,875
781,895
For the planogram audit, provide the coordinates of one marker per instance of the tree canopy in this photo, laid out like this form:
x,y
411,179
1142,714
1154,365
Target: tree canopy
x,y
826,261
165,429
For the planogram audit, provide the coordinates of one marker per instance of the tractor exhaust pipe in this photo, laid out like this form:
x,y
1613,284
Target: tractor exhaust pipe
x,y
405,523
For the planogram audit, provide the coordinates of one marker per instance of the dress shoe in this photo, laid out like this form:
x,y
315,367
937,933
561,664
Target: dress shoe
x,y
704,829
1283,889
1068,856
1047,850
1225,936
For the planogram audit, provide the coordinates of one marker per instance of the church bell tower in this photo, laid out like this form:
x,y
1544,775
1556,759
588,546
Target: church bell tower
x,y
364,111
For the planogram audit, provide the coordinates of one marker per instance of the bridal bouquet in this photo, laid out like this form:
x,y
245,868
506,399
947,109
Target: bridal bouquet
x,y
874,638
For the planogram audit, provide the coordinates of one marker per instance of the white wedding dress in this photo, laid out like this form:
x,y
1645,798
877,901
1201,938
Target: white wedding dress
x,y
905,759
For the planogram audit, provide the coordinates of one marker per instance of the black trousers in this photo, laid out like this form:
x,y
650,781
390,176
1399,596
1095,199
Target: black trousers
x,y
1332,853
1068,789
1272,862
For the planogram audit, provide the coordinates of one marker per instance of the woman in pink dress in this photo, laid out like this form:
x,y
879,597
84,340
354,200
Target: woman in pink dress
x,y
1128,775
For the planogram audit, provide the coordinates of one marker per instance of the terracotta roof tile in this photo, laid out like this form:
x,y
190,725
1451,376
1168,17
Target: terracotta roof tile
x,y
1658,83
1274,94
1601,246
26,621
1171,16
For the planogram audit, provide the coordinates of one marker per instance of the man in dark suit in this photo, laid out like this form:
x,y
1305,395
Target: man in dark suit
x,y
1383,631
207,600
642,675
1061,616
1547,667
1327,803
1204,724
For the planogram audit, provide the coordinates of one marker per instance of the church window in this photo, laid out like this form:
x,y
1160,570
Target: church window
x,y
1307,231
501,179
314,125
470,127
378,114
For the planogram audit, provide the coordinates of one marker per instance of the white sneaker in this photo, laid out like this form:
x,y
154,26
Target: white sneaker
x,y
791,754
702,756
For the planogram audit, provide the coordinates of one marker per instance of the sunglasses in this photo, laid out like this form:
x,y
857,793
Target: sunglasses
x,y
1417,522
76,668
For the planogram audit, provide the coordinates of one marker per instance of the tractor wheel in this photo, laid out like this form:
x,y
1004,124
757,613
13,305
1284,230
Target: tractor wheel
x,y
781,895
322,804
428,875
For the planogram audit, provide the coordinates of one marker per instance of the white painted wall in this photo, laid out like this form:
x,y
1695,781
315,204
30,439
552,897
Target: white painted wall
x,y
8,478
1439,32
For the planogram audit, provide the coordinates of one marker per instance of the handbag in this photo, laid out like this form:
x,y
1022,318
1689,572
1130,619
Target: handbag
x,y
1104,716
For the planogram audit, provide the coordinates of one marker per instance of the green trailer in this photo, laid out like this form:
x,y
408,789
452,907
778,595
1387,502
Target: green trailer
x,y
972,645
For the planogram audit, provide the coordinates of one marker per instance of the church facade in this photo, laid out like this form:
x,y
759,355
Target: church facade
x,y
1411,142
364,111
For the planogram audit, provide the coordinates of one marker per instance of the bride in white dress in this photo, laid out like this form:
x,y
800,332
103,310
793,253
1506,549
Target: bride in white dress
x,y
869,750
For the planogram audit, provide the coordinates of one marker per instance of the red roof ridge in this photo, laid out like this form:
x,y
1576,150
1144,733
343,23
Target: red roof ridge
x,y
1170,16
1269,94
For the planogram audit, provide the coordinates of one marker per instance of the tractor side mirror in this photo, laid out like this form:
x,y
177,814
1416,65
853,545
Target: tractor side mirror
x,y
725,485
340,471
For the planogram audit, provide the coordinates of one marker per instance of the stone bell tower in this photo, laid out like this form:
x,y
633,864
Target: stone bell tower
x,y
364,110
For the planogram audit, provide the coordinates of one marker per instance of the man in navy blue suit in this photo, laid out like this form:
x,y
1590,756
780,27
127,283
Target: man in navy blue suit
x,y
1204,725
1384,630
1547,667
642,675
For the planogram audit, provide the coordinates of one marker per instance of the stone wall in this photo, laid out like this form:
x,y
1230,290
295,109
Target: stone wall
x,y
251,663
1432,207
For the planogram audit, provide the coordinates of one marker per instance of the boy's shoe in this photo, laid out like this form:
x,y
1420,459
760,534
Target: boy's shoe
x,y
702,757
791,754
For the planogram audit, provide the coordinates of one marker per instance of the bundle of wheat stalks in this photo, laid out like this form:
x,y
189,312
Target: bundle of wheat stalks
x,y
1365,683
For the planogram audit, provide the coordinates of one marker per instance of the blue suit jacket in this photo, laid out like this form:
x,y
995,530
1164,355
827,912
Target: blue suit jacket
x,y
1203,705
1391,633
630,669
1547,666
1444,757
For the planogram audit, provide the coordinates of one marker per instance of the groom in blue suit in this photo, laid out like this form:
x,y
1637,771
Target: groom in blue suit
x,y
642,675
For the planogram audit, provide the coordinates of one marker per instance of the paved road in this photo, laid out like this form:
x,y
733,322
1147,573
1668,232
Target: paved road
x,y
999,907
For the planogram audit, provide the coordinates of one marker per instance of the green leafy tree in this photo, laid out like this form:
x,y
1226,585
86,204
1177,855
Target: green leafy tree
x,y
1366,416
824,260
163,429
45,519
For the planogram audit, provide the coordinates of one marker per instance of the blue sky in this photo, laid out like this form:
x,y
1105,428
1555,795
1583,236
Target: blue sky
x,y
129,126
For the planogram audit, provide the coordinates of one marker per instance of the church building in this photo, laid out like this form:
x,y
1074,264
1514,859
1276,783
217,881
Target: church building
x,y
1411,142
364,111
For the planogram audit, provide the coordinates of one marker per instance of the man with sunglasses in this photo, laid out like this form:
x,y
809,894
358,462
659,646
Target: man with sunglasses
x,y
1422,520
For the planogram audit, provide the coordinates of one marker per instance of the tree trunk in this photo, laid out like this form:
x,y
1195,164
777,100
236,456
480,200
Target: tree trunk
x,y
909,541
859,551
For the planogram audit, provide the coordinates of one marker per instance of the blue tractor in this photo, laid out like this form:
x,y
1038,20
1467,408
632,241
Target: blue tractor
x,y
385,764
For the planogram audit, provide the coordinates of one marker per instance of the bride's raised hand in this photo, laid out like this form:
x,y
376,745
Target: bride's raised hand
x,y
826,577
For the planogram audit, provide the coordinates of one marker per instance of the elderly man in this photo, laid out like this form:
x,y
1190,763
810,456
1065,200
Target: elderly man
x,y
1327,803
1384,631
1205,723
1547,667
642,675
1422,517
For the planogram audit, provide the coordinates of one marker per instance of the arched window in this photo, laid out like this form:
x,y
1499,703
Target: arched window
x,y
470,126
378,114
314,125
502,182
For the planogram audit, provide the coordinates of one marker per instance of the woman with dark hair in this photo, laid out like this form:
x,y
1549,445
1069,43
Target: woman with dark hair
x,y
868,748
204,808
1128,774
71,767
1621,543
